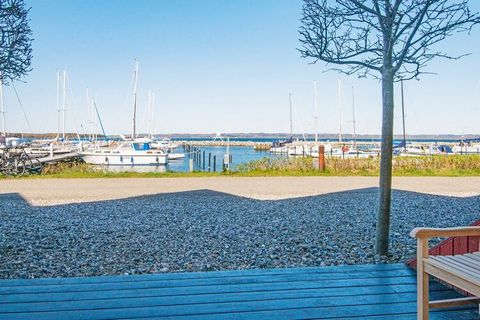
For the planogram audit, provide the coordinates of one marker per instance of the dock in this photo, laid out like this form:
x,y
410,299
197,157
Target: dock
x,y
58,158
342,292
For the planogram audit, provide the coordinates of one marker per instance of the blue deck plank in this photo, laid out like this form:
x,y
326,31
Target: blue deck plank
x,y
279,278
103,301
224,288
364,292
203,275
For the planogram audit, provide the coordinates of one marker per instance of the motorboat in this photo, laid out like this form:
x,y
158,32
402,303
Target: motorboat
x,y
127,153
466,148
413,150
164,143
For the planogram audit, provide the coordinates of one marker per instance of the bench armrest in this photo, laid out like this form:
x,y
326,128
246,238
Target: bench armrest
x,y
427,233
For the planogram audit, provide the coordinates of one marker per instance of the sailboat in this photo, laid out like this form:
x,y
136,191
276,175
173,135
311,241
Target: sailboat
x,y
4,140
132,152
471,146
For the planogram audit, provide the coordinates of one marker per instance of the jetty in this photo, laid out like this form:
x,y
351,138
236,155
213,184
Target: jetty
x,y
59,158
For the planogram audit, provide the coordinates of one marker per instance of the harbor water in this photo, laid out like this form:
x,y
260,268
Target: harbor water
x,y
239,155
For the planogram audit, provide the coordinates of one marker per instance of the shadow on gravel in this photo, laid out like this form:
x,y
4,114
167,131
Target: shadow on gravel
x,y
208,230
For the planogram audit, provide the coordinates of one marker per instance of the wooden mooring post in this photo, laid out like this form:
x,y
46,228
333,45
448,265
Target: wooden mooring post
x,y
321,158
214,163
190,165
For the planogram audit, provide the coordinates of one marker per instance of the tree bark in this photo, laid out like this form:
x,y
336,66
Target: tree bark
x,y
385,194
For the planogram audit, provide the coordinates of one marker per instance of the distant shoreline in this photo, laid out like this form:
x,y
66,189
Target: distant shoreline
x,y
272,136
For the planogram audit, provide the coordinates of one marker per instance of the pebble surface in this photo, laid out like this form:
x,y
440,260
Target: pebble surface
x,y
208,230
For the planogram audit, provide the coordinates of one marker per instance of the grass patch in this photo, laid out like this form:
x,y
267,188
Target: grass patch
x,y
451,166
72,170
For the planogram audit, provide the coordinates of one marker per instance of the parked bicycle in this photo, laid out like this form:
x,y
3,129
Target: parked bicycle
x,y
16,162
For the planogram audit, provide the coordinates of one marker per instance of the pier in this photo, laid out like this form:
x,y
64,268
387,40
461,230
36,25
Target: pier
x,y
58,158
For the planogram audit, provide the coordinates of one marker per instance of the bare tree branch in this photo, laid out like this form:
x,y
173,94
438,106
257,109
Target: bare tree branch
x,y
15,40
389,40
361,34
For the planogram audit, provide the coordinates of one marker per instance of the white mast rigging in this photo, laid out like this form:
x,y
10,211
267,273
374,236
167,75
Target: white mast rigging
x,y
2,107
135,99
64,102
152,112
340,103
291,122
315,106
353,111
58,105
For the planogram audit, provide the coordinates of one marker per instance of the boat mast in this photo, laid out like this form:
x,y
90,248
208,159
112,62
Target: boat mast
x,y
403,118
99,119
340,102
89,115
149,112
152,114
92,110
64,103
315,106
353,111
2,107
135,75
291,122
58,104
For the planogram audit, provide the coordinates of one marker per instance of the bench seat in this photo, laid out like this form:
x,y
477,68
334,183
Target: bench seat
x,y
460,271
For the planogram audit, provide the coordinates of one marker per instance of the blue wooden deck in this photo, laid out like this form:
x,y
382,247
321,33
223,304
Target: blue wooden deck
x,y
363,292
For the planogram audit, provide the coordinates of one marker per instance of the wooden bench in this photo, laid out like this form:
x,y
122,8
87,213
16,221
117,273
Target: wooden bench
x,y
461,271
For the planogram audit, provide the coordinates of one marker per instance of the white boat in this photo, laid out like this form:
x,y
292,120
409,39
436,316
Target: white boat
x,y
469,148
12,141
307,150
175,156
129,153
136,152
281,150
164,143
347,152
412,150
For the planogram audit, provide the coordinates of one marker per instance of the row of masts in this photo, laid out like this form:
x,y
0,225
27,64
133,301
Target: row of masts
x,y
340,108
93,113
93,110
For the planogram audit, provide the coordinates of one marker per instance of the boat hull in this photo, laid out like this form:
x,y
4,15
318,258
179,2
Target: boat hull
x,y
125,160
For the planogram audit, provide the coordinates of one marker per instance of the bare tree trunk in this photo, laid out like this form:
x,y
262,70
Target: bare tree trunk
x,y
383,219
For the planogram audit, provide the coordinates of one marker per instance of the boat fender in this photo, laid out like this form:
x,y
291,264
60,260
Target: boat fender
x,y
156,159
106,159
121,158
131,160
345,149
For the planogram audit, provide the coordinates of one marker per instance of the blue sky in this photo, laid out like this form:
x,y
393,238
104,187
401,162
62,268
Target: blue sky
x,y
218,65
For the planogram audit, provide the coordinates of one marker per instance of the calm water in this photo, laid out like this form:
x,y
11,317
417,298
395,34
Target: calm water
x,y
239,155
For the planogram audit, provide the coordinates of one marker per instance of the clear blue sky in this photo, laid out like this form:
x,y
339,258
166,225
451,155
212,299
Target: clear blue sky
x,y
218,65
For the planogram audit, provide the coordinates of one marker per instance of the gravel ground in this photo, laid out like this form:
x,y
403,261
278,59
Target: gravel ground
x,y
208,230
